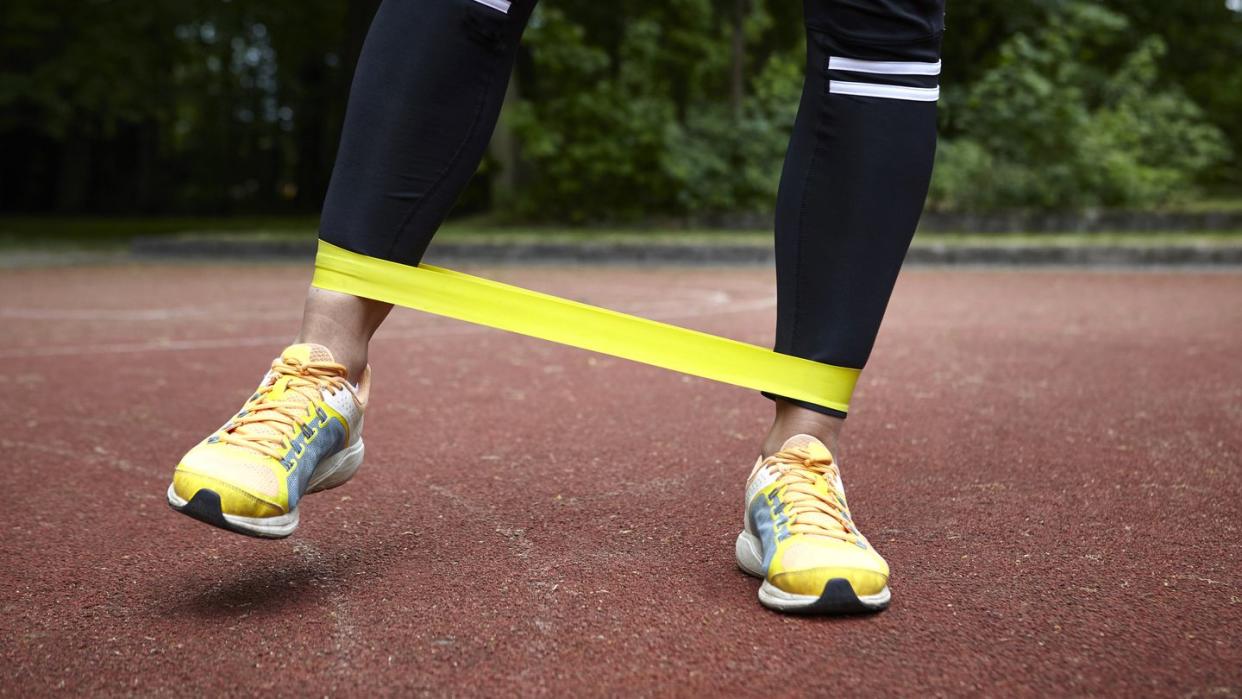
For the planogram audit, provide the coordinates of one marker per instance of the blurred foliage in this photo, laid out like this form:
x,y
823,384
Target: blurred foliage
x,y
183,105
1045,127
645,129
634,109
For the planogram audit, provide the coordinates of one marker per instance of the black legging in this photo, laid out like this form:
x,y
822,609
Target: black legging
x,y
433,74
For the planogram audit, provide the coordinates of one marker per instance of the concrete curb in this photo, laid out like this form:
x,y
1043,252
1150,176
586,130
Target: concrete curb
x,y
1033,254
1028,222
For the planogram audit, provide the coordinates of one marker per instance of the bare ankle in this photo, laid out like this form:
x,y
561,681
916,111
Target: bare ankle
x,y
793,419
344,324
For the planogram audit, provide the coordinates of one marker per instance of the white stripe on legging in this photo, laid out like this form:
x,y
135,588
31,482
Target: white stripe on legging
x,y
502,5
883,67
897,92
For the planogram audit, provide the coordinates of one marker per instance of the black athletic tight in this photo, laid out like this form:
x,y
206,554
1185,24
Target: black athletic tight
x,y
433,74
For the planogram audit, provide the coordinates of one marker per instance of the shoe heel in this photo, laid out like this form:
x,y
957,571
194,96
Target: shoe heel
x,y
748,557
337,469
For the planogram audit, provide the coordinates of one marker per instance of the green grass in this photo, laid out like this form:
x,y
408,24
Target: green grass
x,y
717,237
1224,203
1137,239
108,233
52,234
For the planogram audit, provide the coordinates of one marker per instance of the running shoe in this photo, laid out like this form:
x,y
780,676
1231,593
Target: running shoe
x,y
800,538
300,432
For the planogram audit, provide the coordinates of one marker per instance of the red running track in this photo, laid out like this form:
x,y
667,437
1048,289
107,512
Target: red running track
x,y
1051,462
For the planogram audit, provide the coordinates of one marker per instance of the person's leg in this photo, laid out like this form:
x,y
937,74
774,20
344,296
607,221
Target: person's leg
x,y
856,174
344,324
853,186
424,101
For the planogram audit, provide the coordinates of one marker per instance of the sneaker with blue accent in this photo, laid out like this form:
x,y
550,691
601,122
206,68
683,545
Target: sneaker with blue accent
x,y
299,433
800,538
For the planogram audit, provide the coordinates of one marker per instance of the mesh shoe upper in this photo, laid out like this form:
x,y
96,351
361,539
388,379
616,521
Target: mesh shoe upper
x,y
259,462
797,509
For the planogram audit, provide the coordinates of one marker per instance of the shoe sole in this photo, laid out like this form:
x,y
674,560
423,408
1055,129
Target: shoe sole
x,y
838,596
205,506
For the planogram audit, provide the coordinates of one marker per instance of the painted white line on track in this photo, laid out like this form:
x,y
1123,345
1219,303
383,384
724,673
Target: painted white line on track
x,y
714,309
142,315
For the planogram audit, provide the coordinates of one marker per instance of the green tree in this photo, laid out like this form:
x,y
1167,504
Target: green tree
x,y
629,109
1055,125
76,79
652,123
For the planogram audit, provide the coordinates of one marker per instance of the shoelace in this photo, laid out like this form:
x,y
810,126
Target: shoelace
x,y
812,503
284,417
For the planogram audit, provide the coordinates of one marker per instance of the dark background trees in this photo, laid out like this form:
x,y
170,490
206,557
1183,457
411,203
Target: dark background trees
x,y
623,110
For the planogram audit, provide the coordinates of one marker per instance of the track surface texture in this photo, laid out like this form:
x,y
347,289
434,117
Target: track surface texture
x,y
1050,461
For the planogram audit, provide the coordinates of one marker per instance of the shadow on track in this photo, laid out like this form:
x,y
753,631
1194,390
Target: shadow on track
x,y
300,577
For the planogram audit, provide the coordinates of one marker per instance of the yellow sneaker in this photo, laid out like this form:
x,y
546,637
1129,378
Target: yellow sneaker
x,y
799,536
300,432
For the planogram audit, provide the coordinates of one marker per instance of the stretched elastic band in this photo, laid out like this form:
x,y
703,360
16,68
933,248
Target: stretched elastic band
x,y
475,300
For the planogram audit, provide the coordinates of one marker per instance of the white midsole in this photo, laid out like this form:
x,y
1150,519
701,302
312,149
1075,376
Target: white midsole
x,y
274,527
329,473
773,597
750,554
750,560
336,469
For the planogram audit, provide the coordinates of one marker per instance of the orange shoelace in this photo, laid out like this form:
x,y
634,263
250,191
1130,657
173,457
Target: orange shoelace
x,y
267,425
807,487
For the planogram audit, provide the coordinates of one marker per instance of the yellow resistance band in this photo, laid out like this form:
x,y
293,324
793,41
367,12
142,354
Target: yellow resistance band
x,y
475,300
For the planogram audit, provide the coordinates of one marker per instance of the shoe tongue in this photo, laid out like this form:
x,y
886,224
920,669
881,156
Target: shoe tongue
x,y
297,354
280,391
307,352
813,447
830,491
